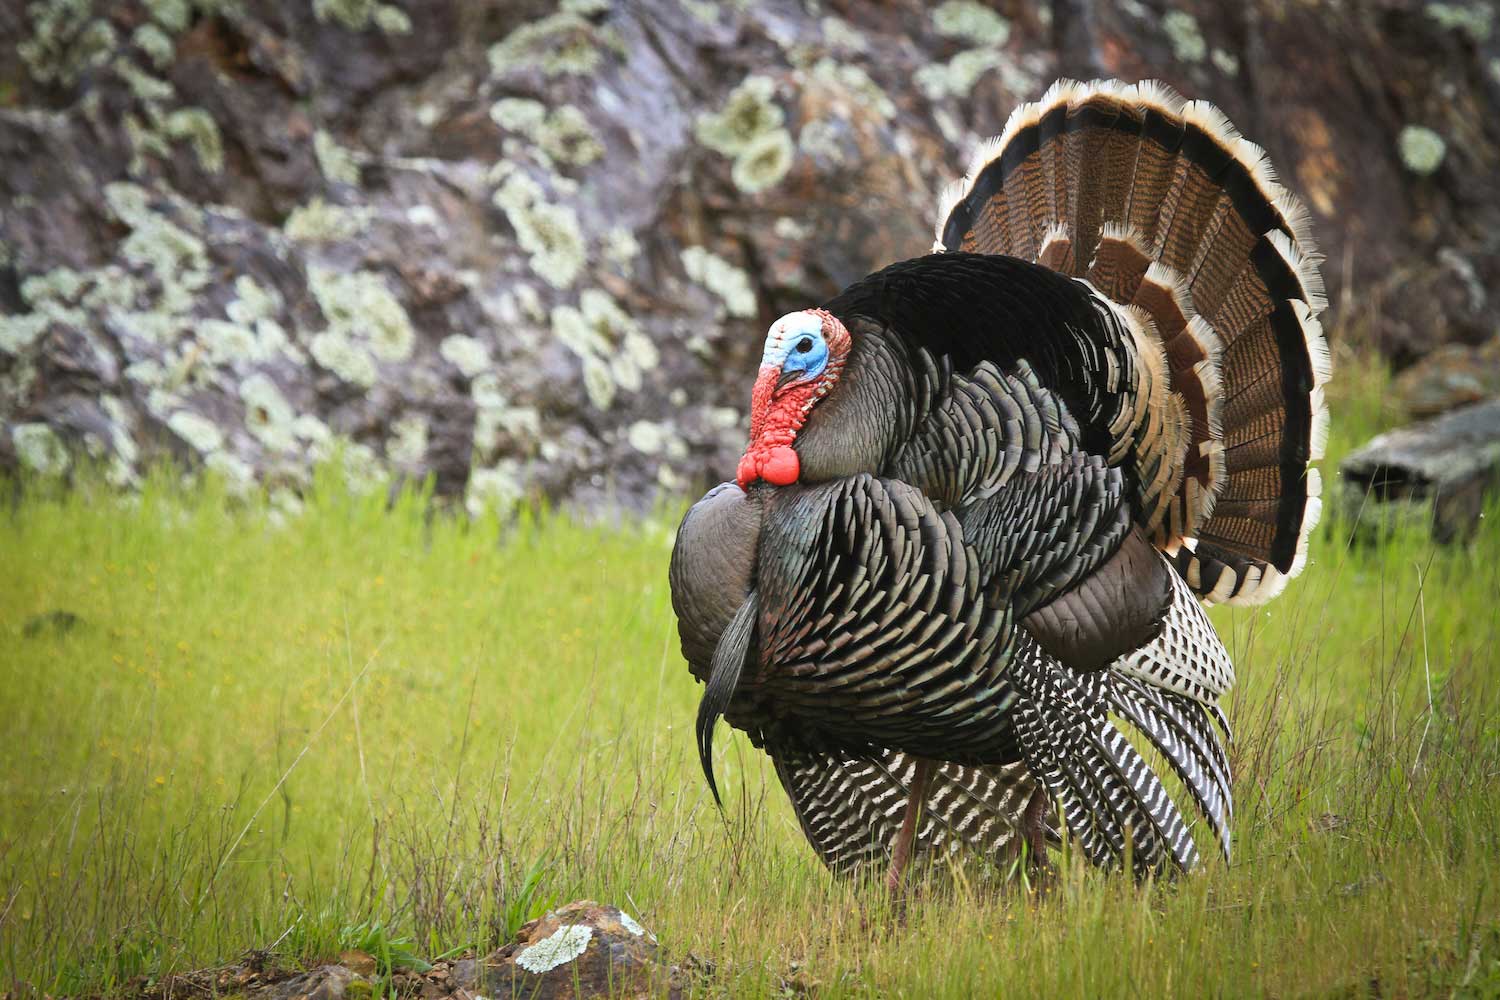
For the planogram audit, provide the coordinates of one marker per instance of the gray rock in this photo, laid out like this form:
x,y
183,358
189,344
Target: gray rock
x,y
583,949
326,982
531,251
1454,375
1439,471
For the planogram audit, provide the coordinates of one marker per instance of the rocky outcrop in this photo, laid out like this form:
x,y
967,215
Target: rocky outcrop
x,y
530,250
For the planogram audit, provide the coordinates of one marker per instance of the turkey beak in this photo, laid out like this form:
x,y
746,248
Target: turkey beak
x,y
789,378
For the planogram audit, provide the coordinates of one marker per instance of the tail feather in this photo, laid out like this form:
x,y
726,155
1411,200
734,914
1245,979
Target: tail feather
x,y
1180,222
1109,796
1182,743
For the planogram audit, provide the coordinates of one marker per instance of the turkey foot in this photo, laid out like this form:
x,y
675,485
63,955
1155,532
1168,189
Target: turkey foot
x,y
1034,830
902,847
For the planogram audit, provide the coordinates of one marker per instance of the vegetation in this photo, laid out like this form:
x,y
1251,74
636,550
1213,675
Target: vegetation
x,y
226,727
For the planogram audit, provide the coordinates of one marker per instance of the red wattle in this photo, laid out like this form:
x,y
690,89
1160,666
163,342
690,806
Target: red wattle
x,y
781,466
745,474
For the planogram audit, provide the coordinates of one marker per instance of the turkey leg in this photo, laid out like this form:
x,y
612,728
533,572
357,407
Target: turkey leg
x,y
901,849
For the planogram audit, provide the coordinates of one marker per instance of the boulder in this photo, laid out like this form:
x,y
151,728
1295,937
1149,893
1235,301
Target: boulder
x,y
583,949
1440,471
530,249
1454,375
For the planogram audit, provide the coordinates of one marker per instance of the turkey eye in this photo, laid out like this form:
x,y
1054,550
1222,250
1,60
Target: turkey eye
x,y
804,345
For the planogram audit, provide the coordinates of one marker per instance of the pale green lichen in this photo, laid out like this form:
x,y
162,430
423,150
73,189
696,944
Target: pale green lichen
x,y
174,15
363,472
349,361
337,164
238,477
121,469
840,34
567,136
226,342
468,354
312,430
957,76
202,434
408,441
156,44
723,279
361,303
704,11
1422,149
268,416
392,20
319,221
764,162
647,437
549,233
144,141
198,127
564,134
129,203
66,40
1475,20
54,294
19,332
423,215
518,114
253,301
615,351
562,44
1187,41
852,79
493,416
620,247
598,382
748,114
1227,62
496,489
789,227
174,257
146,88
359,14
972,22
562,946
40,449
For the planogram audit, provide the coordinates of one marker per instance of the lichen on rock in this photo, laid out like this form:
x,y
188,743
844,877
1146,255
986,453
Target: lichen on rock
x,y
563,945
40,449
338,164
748,114
547,231
729,283
360,306
1422,149
561,44
972,22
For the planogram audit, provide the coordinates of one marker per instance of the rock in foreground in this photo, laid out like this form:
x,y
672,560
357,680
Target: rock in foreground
x,y
583,949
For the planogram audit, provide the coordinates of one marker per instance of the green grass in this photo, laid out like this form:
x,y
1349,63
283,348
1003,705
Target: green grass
x,y
374,727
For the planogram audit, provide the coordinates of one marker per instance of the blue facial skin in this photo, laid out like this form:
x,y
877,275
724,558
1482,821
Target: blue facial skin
x,y
806,354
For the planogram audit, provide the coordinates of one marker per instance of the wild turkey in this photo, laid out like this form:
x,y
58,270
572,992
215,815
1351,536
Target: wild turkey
x,y
986,489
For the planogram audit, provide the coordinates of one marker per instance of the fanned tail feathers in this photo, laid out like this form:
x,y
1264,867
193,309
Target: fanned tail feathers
x,y
1179,224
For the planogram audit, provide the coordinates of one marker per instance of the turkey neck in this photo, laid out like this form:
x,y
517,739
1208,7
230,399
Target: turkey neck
x,y
866,415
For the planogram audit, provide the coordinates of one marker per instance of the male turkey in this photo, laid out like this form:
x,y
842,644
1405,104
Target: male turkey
x,y
987,490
